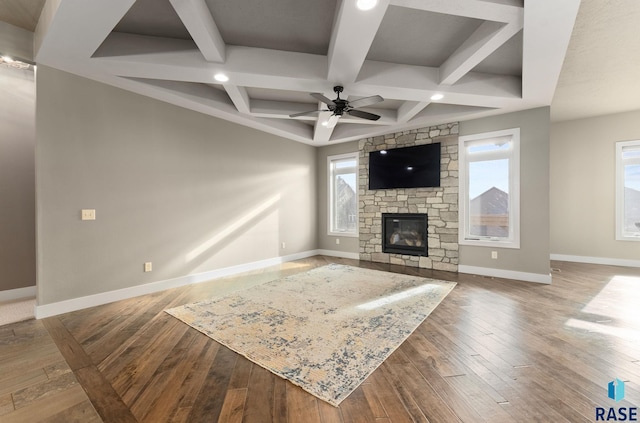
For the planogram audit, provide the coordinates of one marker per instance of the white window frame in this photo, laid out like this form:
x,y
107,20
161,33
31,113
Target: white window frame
x,y
330,176
621,234
513,154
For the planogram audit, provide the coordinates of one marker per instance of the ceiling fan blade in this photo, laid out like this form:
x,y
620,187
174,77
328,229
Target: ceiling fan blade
x,y
333,121
366,101
309,113
363,115
322,98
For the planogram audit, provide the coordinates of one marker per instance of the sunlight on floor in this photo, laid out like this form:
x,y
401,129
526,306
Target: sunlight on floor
x,y
618,300
397,297
617,305
294,265
622,333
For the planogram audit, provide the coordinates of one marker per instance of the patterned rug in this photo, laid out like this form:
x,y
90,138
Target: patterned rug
x,y
325,330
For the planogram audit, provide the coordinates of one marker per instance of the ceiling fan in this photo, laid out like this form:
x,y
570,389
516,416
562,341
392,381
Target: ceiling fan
x,y
340,107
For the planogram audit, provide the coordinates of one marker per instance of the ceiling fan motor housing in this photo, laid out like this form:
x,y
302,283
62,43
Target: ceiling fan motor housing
x,y
340,104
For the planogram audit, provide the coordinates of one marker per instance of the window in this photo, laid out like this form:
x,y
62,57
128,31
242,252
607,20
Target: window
x,y
628,191
490,189
343,194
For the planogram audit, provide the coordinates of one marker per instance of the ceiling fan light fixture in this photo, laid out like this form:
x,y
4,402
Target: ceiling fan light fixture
x,y
366,4
220,77
437,97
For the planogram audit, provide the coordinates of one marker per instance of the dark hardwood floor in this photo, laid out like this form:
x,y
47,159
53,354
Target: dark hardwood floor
x,y
494,350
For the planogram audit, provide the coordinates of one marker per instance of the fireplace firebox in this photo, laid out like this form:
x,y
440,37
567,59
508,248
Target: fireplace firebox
x,y
404,233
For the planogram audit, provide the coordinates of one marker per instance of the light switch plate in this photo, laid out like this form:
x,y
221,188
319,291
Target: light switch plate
x,y
148,266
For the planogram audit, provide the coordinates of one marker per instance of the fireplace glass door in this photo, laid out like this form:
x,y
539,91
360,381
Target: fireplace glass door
x,y
405,233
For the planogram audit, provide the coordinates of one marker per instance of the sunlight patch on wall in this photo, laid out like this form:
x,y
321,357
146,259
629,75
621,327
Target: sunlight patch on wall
x,y
232,228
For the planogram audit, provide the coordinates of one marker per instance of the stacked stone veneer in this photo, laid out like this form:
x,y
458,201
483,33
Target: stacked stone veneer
x,y
440,204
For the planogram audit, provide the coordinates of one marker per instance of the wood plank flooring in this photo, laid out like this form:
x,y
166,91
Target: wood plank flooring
x,y
36,383
494,350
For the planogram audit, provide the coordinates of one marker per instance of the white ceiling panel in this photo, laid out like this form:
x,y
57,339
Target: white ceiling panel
x,y
292,25
416,37
153,17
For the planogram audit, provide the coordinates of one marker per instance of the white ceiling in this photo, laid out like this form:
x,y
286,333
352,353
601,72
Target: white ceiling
x,y
602,64
21,13
486,57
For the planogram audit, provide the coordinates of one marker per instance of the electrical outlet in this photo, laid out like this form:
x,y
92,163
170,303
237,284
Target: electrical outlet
x,y
283,245
494,255
148,266
88,214
337,241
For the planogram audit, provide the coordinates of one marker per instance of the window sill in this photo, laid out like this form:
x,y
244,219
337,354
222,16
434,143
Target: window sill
x,y
498,243
635,238
344,234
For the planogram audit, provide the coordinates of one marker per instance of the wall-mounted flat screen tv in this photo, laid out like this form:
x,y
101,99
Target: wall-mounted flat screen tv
x,y
408,167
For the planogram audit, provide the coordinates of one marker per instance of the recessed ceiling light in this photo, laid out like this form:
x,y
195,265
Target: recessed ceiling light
x,y
221,77
409,167
437,97
7,59
383,151
366,4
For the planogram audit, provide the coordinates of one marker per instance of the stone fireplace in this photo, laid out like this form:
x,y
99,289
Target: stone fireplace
x,y
438,205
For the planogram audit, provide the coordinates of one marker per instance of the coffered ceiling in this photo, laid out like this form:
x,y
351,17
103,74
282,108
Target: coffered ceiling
x,y
484,56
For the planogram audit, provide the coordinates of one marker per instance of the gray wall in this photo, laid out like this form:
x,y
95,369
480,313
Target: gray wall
x,y
16,42
326,242
17,178
533,254
583,186
186,191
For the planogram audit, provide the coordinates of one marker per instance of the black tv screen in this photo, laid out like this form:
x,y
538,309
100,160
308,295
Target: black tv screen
x,y
408,167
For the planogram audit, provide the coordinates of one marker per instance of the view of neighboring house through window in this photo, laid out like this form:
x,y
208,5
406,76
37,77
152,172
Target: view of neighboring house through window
x,y
489,188
343,194
628,190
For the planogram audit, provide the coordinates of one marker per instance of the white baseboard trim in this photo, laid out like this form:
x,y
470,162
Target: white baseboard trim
x,y
18,293
507,274
596,260
341,254
53,309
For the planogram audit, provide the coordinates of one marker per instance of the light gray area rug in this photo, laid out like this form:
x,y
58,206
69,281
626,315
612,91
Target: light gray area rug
x,y
325,330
